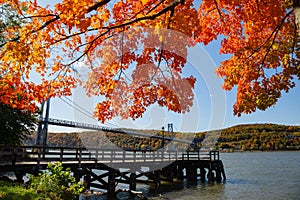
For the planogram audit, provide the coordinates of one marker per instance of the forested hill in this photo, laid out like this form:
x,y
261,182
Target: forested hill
x,y
260,137
249,137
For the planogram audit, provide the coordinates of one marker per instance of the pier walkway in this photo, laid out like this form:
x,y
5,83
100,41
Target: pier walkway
x,y
115,165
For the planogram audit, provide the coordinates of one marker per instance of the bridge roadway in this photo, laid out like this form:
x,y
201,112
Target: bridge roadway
x,y
161,164
67,123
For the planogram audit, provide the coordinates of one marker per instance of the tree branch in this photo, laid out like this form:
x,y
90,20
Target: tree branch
x,y
97,5
151,17
271,35
219,11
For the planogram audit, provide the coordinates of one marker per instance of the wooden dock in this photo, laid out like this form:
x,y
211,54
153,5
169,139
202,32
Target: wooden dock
x,y
115,165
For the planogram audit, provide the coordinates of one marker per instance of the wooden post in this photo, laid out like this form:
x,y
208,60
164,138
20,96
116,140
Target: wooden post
x,y
19,176
218,175
156,177
210,175
14,157
179,172
61,154
168,172
111,189
77,175
97,154
80,154
132,182
202,174
87,181
191,172
221,169
124,156
111,155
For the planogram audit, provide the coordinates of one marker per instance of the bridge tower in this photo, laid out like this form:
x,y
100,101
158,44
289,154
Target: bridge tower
x,y
42,131
171,134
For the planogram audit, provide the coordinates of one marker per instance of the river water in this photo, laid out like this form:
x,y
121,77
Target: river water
x,y
250,175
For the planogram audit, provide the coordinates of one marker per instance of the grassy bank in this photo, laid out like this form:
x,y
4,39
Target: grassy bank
x,y
16,191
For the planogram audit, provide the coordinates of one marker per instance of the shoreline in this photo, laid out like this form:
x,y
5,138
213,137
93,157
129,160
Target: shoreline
x,y
253,151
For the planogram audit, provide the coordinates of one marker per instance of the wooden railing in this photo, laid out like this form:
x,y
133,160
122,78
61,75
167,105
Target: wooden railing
x,y
13,155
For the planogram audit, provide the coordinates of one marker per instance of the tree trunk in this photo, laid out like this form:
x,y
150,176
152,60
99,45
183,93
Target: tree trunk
x,y
297,14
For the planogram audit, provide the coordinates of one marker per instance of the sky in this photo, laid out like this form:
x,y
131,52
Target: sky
x,y
212,106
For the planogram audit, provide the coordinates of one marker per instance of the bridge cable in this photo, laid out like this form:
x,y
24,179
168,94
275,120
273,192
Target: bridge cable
x,y
85,112
89,113
134,133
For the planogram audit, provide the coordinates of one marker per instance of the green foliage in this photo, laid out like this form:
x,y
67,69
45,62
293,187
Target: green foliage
x,y
260,137
15,125
56,183
15,191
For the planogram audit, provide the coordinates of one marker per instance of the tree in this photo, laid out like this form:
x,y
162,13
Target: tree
x,y
15,124
261,36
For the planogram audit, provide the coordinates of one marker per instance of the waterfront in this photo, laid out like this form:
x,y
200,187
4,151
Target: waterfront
x,y
250,175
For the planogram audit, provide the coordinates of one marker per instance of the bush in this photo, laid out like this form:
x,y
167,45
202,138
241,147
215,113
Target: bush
x,y
10,191
56,183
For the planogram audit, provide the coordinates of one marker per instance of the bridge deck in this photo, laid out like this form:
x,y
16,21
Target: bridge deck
x,y
116,165
18,156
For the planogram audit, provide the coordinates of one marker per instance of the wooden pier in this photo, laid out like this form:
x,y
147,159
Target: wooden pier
x,y
105,168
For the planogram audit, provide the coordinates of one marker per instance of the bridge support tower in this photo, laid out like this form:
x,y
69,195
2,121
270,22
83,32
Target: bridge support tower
x,y
42,131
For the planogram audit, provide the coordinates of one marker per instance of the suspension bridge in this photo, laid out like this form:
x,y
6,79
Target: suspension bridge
x,y
45,121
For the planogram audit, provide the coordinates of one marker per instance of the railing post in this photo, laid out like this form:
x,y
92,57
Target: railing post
x,y
188,155
124,156
14,157
134,155
111,155
80,154
61,154
153,154
39,157
44,151
96,154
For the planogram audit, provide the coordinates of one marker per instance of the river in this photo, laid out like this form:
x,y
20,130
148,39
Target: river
x,y
250,175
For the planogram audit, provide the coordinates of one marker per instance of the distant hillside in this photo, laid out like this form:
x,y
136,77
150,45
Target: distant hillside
x,y
248,137
260,137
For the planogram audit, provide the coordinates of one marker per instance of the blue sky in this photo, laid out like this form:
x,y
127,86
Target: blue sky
x,y
207,113
213,106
